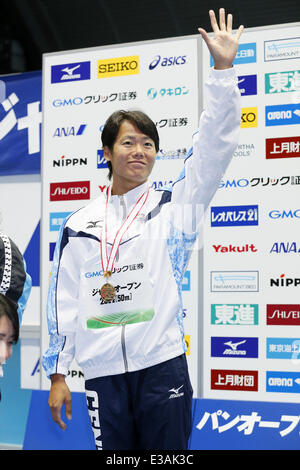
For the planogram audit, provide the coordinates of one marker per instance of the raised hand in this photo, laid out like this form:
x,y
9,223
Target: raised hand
x,y
224,45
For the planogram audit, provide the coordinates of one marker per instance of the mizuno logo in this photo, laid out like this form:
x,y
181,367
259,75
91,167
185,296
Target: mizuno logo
x,y
69,70
176,393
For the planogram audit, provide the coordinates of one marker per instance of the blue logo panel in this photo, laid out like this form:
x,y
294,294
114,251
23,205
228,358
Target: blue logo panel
x,y
283,348
283,382
226,216
247,85
282,114
234,347
56,219
70,72
246,54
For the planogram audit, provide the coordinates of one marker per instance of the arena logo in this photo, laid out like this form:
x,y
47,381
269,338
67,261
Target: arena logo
x,y
282,247
283,314
70,191
235,249
283,214
283,382
167,61
283,147
283,114
69,131
283,281
66,162
249,117
119,66
70,72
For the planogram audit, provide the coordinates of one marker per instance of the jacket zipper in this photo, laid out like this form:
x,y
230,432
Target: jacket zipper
x,y
122,204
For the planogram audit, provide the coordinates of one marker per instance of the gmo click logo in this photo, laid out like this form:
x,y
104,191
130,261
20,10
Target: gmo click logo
x,y
70,72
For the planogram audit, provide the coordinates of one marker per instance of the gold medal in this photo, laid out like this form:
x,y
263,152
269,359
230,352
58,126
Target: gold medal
x,y
107,292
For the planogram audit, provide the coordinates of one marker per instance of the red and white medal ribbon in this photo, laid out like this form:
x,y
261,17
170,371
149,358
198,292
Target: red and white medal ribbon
x,y
108,261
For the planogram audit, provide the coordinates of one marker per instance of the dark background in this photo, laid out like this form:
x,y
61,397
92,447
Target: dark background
x,y
29,28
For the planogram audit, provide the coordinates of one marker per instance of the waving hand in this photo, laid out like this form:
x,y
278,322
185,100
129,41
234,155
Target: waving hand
x,y
224,45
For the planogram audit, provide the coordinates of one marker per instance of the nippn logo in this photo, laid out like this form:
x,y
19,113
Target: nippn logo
x,y
116,67
249,117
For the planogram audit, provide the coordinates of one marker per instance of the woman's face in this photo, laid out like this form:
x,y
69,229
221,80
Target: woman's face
x,y
6,340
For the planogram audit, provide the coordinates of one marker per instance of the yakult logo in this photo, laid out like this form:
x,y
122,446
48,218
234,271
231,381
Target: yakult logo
x,y
70,191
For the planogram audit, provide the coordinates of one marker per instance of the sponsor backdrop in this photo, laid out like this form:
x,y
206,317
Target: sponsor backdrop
x,y
80,91
251,241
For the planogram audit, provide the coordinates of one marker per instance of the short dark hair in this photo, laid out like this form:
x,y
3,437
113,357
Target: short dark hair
x,y
9,308
113,123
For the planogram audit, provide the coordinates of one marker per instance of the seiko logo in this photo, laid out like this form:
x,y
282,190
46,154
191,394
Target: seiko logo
x,y
118,66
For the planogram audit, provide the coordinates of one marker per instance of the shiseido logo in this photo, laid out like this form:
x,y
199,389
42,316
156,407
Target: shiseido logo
x,y
70,191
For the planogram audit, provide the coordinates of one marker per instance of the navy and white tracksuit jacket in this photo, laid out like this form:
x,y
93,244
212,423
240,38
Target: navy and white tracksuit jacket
x,y
144,325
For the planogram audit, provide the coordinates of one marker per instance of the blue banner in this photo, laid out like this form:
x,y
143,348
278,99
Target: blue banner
x,y
20,123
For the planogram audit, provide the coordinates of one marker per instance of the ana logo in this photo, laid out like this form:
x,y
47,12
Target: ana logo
x,y
226,216
288,247
235,249
283,147
234,281
249,117
282,82
101,160
234,347
70,72
283,314
68,131
243,380
283,382
282,114
161,184
282,49
70,191
56,219
119,66
167,61
283,214
234,314
247,85
63,161
283,281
